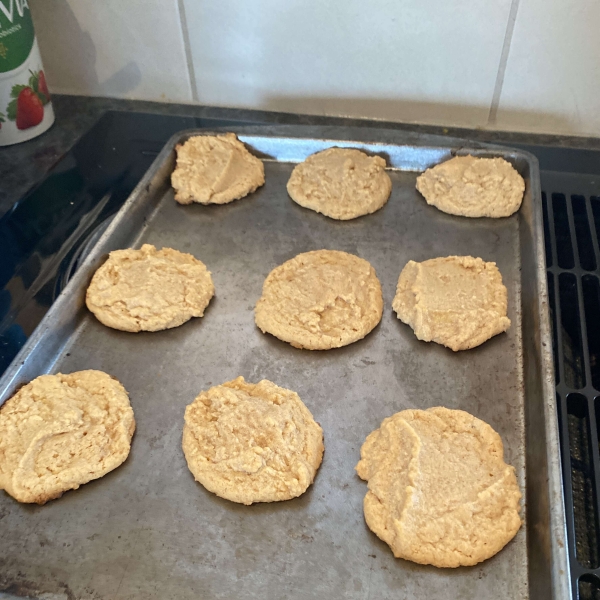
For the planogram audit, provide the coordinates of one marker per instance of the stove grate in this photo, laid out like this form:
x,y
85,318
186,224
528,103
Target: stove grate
x,y
572,231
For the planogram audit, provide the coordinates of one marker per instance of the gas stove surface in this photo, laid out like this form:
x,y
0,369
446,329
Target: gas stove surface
x,y
45,235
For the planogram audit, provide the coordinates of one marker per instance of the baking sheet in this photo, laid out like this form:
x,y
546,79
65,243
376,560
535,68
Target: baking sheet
x,y
147,530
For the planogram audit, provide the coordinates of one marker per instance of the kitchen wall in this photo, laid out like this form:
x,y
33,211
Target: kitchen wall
x,y
523,65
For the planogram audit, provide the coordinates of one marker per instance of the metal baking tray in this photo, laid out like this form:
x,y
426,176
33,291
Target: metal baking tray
x,y
147,530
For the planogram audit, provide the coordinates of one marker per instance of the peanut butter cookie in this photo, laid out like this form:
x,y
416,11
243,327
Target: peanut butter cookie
x,y
61,431
215,170
320,300
473,187
251,442
341,183
457,301
149,289
440,492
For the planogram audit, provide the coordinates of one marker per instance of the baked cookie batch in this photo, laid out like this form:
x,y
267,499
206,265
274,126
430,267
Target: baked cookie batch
x,y
439,491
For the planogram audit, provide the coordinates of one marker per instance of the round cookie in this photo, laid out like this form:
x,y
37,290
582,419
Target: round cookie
x,y
320,300
341,183
457,301
473,187
440,492
61,431
149,289
215,170
251,442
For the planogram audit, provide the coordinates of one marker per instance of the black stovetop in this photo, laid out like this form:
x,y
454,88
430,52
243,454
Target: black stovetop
x,y
45,234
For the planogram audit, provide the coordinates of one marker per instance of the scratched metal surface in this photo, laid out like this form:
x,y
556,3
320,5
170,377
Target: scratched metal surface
x,y
147,530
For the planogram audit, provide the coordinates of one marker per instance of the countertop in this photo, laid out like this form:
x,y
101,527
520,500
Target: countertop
x,y
23,165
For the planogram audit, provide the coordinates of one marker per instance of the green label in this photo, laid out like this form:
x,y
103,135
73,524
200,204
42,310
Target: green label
x,y
16,34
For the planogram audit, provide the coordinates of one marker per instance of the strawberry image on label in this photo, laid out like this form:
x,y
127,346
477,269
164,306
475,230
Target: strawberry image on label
x,y
30,110
27,104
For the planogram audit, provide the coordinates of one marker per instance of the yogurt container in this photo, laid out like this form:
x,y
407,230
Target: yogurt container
x,y
25,105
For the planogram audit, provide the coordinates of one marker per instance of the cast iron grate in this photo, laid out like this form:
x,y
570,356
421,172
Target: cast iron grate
x,y
572,232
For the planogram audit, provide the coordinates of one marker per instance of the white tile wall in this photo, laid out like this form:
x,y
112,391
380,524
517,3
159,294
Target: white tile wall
x,y
430,61
552,79
124,49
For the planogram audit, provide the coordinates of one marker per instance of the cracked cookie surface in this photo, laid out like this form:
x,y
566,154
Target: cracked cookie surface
x,y
149,289
440,492
320,300
473,187
252,442
215,170
341,183
61,431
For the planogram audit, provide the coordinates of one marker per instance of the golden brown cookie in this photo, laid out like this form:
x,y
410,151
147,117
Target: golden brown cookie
x,y
341,183
149,289
61,431
215,170
457,301
473,187
440,492
251,442
320,300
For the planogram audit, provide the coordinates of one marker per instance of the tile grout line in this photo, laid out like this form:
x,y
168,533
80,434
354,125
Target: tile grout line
x,y
510,28
188,51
